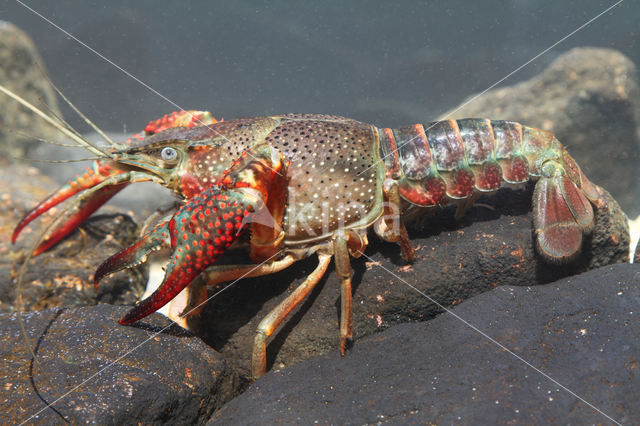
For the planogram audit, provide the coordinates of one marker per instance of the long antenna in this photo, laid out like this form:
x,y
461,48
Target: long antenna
x,y
77,111
26,135
97,129
85,143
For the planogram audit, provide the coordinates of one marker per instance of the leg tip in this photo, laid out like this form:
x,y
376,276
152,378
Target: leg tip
x,y
345,343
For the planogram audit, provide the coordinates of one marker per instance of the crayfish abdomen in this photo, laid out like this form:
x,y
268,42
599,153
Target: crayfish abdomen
x,y
457,160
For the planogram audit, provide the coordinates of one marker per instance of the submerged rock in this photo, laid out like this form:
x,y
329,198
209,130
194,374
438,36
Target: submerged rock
x,y
582,332
90,369
23,72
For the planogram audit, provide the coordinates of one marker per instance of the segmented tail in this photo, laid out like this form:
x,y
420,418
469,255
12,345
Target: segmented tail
x,y
455,159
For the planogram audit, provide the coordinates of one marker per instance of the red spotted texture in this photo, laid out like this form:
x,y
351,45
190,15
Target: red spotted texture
x,y
429,192
180,119
489,177
132,255
460,184
515,170
200,231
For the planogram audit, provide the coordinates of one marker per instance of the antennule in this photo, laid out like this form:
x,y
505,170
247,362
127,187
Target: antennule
x,y
88,145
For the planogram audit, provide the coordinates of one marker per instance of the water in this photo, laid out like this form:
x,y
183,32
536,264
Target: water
x,y
389,63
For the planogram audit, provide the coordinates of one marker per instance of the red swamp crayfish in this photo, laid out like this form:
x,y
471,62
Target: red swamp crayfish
x,y
288,186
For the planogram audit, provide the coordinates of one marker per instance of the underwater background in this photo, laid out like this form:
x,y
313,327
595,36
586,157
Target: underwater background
x,y
387,63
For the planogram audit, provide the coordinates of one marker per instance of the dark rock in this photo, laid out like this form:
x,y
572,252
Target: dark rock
x,y
90,369
491,247
582,332
611,240
62,276
22,71
588,98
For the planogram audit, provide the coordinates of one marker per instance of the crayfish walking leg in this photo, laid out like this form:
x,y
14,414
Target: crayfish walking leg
x,y
345,244
269,324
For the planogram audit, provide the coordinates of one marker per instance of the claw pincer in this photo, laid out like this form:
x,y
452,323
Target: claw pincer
x,y
202,229
101,181
197,234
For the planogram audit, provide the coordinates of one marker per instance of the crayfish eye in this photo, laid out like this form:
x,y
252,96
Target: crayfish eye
x,y
169,154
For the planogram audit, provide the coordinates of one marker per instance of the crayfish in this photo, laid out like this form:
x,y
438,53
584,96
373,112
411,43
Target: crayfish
x,y
290,186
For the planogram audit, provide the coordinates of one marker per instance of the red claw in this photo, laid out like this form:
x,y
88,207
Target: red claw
x,y
173,284
197,234
206,226
180,119
134,254
86,209
96,174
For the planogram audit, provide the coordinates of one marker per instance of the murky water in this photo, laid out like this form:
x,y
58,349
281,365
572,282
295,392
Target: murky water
x,y
390,63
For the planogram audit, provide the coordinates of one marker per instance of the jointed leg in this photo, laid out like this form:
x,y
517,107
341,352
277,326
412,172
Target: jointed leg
x,y
224,273
268,325
190,300
390,226
343,269
465,204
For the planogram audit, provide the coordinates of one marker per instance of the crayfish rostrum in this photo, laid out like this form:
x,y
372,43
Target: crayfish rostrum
x,y
288,186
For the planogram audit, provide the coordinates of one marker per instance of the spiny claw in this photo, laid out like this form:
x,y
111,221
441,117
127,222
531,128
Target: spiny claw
x,y
136,253
202,230
95,175
198,234
182,118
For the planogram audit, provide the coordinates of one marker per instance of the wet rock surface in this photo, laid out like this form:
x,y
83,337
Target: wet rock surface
x,y
589,99
581,331
21,70
491,247
106,373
